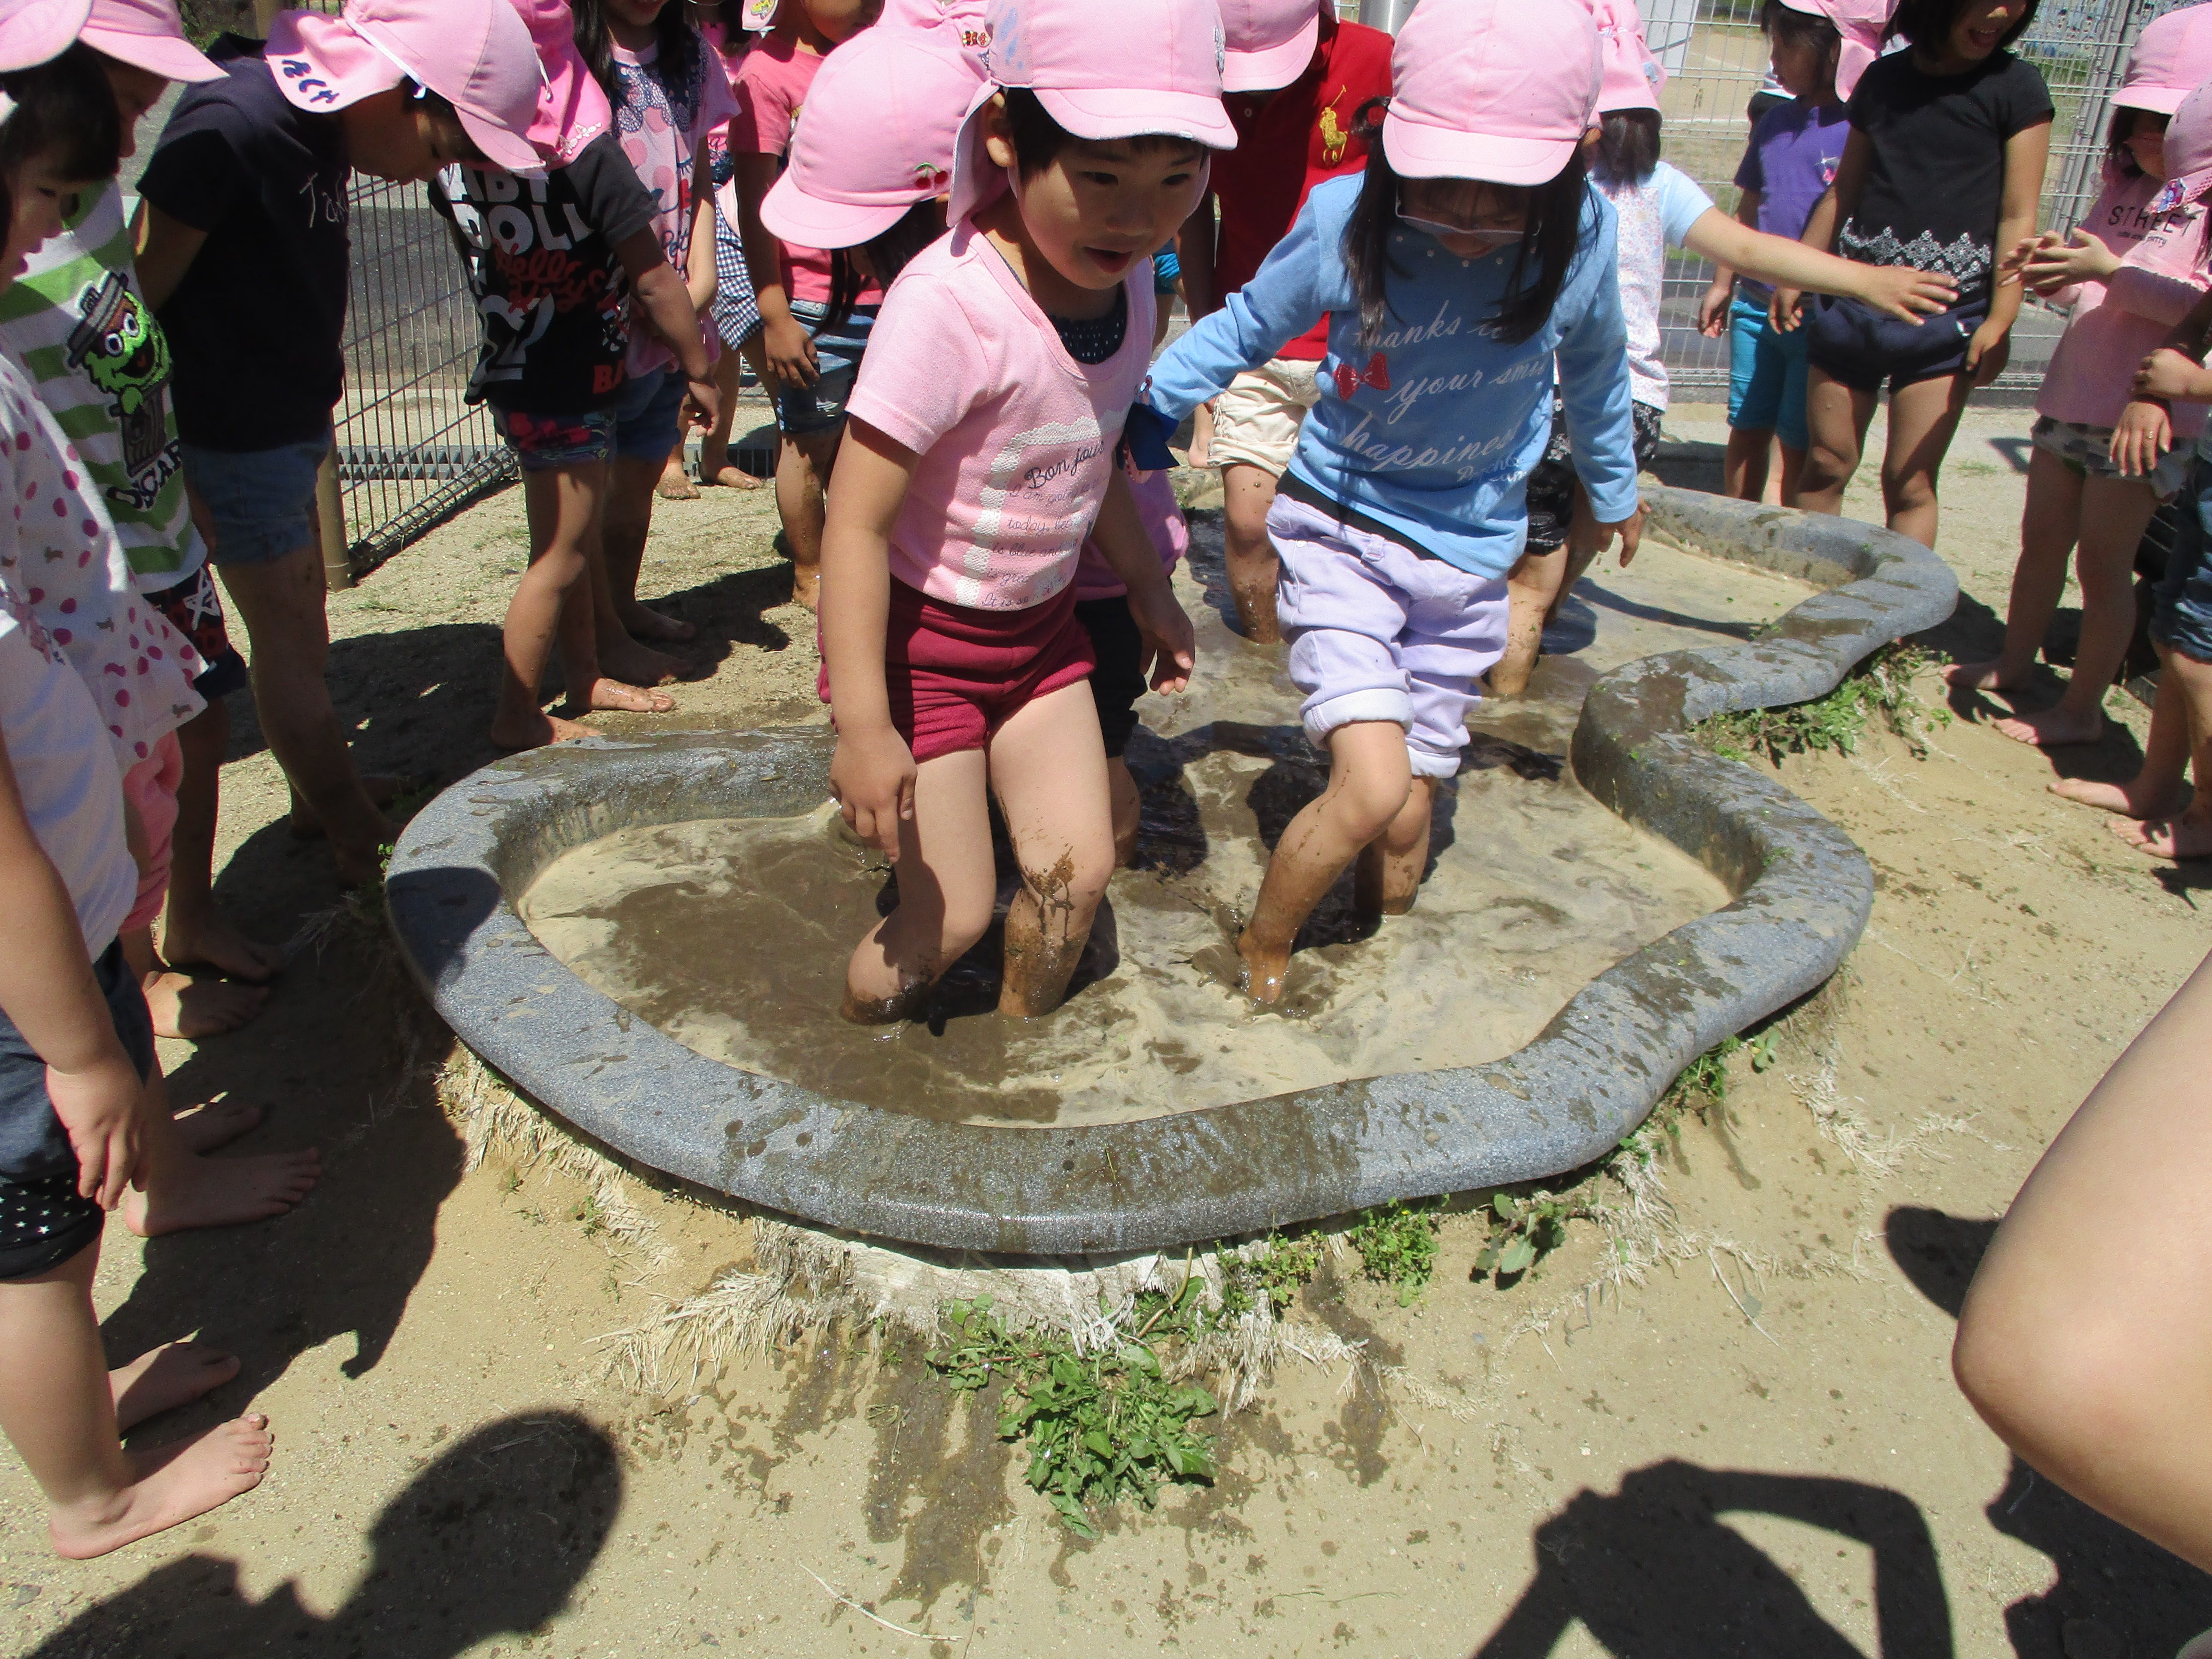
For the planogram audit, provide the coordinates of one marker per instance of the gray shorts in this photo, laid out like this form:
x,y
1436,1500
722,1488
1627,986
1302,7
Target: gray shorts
x,y
2086,451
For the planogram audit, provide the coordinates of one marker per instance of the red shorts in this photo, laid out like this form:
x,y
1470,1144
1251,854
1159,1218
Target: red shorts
x,y
957,675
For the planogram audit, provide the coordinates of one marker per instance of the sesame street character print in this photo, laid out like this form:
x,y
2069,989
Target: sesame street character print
x,y
118,346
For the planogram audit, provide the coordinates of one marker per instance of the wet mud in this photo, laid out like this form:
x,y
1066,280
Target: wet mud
x,y
731,935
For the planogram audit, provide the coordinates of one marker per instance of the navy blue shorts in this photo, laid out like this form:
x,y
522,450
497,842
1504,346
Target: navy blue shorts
x,y
1117,681
2182,620
1851,341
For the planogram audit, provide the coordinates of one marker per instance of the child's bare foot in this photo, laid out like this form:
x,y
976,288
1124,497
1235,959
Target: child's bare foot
x,y
220,1191
170,1485
633,664
381,788
1263,967
807,584
161,1379
211,941
2179,838
1982,676
217,1123
362,866
2052,728
731,476
183,1006
675,484
644,622
537,729
630,699
2130,800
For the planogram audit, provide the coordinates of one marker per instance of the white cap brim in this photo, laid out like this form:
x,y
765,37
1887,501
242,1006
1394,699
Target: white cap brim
x,y
1270,68
1417,151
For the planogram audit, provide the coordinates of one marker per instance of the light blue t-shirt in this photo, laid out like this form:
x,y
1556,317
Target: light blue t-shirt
x,y
1433,426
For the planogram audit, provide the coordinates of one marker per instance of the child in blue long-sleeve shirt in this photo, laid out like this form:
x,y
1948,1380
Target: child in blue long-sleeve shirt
x,y
1469,254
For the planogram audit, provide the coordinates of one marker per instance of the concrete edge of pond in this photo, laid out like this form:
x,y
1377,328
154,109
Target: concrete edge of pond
x,y
1803,891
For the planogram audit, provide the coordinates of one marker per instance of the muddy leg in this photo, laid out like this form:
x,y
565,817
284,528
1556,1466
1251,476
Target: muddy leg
x,y
1388,872
1048,767
946,886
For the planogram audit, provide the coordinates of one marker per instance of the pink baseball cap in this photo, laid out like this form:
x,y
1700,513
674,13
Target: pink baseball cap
x,y
1632,76
2172,57
1864,24
1501,90
1270,42
475,54
876,135
572,109
2188,152
962,21
34,32
146,35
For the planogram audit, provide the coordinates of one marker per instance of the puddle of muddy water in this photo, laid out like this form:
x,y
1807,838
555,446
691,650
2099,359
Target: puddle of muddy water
x,y
731,935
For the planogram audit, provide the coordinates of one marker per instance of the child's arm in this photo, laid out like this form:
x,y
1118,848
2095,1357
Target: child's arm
x,y
1899,290
1829,212
2026,153
1282,300
656,290
784,340
46,987
699,257
1713,309
166,248
2144,431
872,772
1594,384
1171,647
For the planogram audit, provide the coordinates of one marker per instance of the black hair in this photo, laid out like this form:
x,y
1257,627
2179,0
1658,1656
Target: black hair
x,y
1628,144
1540,267
888,253
2117,155
1038,138
672,34
441,109
1929,22
65,112
1787,26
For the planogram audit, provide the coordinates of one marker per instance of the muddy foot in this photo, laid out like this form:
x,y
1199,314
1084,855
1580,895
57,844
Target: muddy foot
x,y
2052,728
212,942
2129,799
216,1124
382,789
630,699
806,585
734,477
170,1485
1260,969
220,1191
646,623
538,730
633,664
675,484
2177,838
1382,885
183,1006
1982,676
167,1378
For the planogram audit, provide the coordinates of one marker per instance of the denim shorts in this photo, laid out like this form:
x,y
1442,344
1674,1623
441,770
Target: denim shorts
x,y
800,410
1851,341
1766,374
2182,618
543,443
647,415
262,501
43,1221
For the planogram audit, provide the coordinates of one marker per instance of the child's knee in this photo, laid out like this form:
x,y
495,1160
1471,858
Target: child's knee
x,y
1906,489
1075,882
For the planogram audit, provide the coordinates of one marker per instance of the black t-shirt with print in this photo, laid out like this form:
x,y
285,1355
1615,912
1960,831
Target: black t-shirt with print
x,y
1935,181
256,324
553,297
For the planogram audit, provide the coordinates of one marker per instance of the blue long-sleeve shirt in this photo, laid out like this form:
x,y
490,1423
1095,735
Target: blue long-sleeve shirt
x,y
1433,426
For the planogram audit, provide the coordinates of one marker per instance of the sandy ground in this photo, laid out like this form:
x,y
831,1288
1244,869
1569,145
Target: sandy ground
x,y
1757,1450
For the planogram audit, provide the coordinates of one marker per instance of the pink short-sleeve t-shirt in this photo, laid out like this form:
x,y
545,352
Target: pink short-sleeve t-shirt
x,y
662,119
1015,438
772,85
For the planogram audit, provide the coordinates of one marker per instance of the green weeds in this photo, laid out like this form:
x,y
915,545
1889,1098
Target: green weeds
x,y
1398,1242
1277,1273
1523,1230
1881,686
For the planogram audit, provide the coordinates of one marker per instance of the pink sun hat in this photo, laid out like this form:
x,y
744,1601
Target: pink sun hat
x,y
572,110
2172,57
2188,152
1270,42
475,54
875,137
146,35
1863,24
34,32
1632,76
1124,70
963,21
1500,90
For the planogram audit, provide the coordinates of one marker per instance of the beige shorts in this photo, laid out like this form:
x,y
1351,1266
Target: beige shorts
x,y
1255,421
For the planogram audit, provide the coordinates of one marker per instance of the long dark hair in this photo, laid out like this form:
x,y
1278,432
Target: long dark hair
x,y
1628,144
1540,267
2118,156
1782,23
672,34
888,253
65,109
1928,23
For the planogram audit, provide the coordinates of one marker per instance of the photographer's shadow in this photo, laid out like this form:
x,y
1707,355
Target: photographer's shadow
x,y
490,1539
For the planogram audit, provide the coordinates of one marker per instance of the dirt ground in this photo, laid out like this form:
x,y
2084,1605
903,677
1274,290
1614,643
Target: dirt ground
x,y
1756,1450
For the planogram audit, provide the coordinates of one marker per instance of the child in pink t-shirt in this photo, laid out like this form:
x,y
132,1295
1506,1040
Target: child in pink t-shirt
x,y
984,428
811,337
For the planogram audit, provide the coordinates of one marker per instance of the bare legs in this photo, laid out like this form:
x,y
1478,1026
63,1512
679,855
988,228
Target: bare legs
x,y
802,474
715,467
626,521
1248,493
194,933
1047,765
1922,417
2096,1367
1372,794
2159,814
1532,587
1744,469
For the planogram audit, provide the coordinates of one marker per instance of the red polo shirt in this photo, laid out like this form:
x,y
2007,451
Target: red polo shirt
x,y
1289,144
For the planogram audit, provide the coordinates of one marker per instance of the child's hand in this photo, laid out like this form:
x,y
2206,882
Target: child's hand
x,y
2054,262
706,402
99,1108
1988,351
1171,646
1631,531
1713,310
2143,434
871,776
790,352
1784,311
1905,294
2170,374
2017,256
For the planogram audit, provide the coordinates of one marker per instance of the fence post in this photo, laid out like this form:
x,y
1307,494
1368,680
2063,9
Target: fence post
x,y
330,521
1385,15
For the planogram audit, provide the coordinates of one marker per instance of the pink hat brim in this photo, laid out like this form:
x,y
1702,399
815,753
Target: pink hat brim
x,y
348,68
1103,113
1419,151
1270,68
501,148
37,33
170,56
792,215
2160,100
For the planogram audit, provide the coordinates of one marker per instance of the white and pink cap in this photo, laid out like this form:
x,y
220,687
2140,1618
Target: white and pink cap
x,y
2188,152
572,108
1632,76
475,54
1501,90
1863,24
876,135
2173,56
146,35
1270,42
34,32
